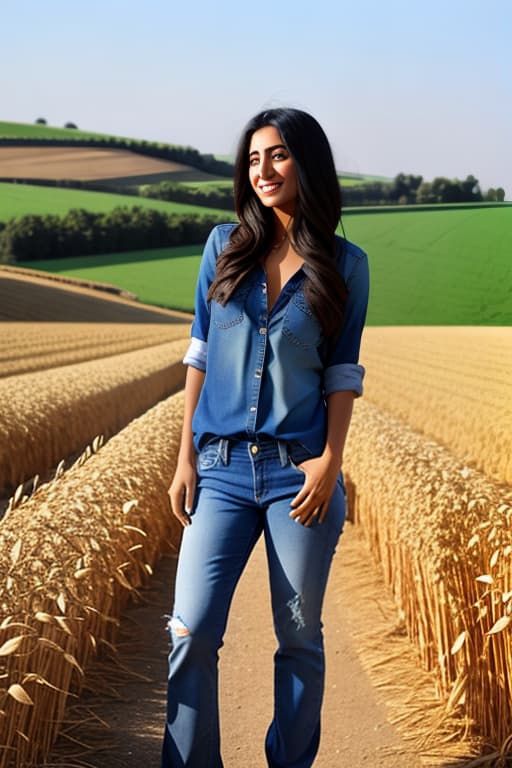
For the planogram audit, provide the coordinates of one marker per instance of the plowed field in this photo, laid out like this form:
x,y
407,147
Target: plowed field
x,y
25,298
82,163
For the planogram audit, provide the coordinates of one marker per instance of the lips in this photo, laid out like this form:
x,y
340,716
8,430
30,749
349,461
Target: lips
x,y
269,189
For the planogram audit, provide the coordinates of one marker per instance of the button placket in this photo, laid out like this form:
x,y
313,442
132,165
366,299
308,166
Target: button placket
x,y
261,344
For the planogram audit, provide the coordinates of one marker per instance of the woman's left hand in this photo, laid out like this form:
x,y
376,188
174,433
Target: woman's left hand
x,y
312,501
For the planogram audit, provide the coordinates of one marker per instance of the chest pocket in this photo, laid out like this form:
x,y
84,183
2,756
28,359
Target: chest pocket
x,y
300,325
233,313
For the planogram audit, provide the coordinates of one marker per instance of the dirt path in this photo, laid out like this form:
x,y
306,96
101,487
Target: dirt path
x,y
359,627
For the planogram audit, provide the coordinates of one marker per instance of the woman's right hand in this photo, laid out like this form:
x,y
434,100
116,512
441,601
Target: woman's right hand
x,y
183,490
183,486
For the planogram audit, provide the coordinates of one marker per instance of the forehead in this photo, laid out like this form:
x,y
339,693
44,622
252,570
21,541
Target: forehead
x,y
265,137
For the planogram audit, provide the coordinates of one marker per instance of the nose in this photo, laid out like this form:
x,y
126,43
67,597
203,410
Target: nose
x,y
266,167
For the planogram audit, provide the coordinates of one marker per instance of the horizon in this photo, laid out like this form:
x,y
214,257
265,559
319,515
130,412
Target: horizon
x,y
406,89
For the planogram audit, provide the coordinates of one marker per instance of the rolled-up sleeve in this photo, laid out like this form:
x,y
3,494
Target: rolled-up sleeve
x,y
196,354
197,350
341,369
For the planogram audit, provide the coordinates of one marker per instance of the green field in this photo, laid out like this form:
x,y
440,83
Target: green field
x,y
345,181
162,276
209,184
22,199
355,180
430,267
438,267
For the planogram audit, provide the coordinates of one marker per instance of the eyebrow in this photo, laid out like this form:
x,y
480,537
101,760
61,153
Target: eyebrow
x,y
268,149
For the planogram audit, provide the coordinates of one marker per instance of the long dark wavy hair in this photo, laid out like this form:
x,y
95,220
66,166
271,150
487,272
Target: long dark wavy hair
x,y
316,216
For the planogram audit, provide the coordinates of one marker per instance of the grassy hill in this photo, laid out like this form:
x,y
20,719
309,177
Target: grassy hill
x,y
33,131
22,199
164,277
438,267
433,266
429,267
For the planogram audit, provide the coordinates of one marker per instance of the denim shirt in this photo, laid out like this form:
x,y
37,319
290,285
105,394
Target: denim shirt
x,y
268,374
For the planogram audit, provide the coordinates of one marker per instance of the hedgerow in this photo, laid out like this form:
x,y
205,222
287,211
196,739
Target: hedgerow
x,y
81,232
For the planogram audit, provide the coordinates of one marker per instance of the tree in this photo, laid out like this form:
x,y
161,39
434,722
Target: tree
x,y
405,187
425,193
41,121
71,125
495,195
471,189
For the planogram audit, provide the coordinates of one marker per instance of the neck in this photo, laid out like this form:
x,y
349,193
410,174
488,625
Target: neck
x,y
282,221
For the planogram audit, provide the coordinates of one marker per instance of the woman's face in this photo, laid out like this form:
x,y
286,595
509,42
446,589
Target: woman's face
x,y
271,170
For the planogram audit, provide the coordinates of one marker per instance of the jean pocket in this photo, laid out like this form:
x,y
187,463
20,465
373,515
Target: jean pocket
x,y
209,456
232,313
300,326
297,453
341,483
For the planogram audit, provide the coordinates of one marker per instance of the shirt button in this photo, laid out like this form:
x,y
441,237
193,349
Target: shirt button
x,y
257,373
263,331
264,288
252,409
254,449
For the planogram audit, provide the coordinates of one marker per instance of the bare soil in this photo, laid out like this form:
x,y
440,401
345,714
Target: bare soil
x,y
29,297
80,163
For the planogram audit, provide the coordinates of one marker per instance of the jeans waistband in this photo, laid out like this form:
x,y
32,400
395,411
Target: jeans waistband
x,y
260,447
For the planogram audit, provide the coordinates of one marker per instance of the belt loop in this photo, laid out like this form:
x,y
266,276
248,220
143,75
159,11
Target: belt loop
x,y
223,450
283,452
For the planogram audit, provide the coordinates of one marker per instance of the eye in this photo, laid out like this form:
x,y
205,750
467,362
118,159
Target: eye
x,y
279,156
254,160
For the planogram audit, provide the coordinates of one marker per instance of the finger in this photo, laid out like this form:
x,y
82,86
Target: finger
x,y
177,506
300,510
189,496
323,513
300,497
312,517
305,501
304,515
310,510
184,518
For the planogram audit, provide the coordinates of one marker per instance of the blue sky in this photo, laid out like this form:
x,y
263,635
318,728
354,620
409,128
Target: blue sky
x,y
420,87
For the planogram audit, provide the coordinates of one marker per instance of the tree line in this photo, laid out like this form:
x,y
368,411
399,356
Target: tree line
x,y
212,197
408,189
81,232
405,189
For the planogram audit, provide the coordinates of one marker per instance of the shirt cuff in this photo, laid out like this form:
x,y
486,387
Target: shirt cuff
x,y
196,354
344,376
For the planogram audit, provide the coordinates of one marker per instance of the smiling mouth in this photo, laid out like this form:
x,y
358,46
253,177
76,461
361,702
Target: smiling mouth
x,y
267,189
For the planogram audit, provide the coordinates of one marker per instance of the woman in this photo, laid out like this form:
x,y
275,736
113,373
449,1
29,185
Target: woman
x,y
273,372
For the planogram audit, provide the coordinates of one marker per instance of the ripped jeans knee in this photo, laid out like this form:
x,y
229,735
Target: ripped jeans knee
x,y
296,609
177,627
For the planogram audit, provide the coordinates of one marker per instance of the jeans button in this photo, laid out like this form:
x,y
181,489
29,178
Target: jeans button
x,y
254,449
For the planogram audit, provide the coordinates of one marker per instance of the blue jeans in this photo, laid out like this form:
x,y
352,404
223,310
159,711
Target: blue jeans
x,y
245,489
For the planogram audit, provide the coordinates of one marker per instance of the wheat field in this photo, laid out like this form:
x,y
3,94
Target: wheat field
x,y
29,347
428,462
428,479
70,556
76,542
451,384
48,415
